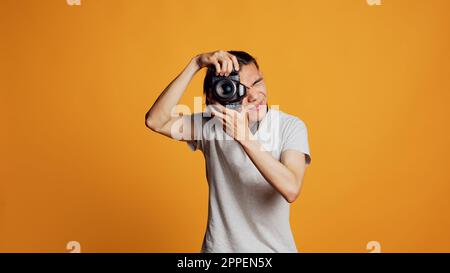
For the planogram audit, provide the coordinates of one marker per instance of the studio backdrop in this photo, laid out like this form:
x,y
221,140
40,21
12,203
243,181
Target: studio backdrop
x,y
81,171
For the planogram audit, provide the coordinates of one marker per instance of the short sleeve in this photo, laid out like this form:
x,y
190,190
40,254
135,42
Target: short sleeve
x,y
295,137
197,120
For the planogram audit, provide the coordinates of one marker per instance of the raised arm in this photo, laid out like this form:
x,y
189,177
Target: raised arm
x,y
159,118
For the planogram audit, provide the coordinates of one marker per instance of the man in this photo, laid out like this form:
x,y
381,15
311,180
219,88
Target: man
x,y
255,173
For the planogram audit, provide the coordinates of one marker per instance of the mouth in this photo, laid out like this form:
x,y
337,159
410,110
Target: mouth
x,y
255,107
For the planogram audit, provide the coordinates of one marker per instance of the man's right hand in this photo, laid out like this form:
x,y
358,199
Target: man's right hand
x,y
221,60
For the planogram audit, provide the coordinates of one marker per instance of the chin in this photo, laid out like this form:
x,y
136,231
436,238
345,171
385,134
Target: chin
x,y
257,115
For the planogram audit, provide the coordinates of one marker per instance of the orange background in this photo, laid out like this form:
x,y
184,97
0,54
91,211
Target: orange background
x,y
77,162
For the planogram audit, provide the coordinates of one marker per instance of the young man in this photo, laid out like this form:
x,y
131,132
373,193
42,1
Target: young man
x,y
255,157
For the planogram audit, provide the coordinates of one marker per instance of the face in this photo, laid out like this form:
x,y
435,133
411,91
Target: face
x,y
256,98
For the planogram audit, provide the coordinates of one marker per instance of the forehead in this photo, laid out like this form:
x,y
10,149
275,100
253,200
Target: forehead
x,y
249,73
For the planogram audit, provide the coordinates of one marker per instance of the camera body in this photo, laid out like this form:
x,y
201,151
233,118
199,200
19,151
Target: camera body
x,y
227,90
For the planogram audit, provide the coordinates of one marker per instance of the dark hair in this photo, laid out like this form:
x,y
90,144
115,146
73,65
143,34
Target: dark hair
x,y
242,57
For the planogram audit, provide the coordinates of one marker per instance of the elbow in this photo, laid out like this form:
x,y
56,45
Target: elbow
x,y
291,197
292,194
150,123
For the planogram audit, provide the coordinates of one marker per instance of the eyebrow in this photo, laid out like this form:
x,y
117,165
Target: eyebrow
x,y
258,80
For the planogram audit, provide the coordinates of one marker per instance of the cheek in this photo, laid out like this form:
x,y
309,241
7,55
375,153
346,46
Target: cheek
x,y
263,92
261,95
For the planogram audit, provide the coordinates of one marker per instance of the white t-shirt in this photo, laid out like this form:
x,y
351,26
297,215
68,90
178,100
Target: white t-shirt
x,y
245,212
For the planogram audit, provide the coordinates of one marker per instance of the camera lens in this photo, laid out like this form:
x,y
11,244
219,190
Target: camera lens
x,y
225,89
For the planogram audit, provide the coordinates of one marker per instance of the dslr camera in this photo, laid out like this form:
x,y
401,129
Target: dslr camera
x,y
228,90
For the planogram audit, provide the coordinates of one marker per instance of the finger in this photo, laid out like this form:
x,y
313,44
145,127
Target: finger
x,y
227,115
225,126
230,67
233,110
224,67
223,119
216,113
219,107
244,109
221,112
217,66
231,116
230,124
227,118
222,124
225,109
235,62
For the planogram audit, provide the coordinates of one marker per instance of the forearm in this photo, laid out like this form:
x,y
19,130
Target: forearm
x,y
160,112
278,175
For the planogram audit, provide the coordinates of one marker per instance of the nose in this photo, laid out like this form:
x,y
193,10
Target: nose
x,y
252,95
